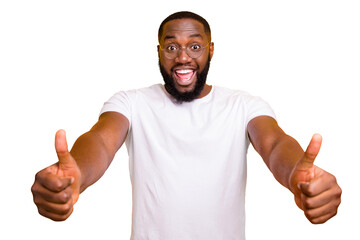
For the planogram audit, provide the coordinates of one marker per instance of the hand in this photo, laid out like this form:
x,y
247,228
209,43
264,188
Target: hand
x,y
316,191
56,188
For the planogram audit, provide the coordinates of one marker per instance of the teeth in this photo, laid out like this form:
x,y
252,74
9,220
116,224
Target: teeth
x,y
184,71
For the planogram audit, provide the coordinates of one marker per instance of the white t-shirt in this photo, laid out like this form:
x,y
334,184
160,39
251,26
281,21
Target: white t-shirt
x,y
188,162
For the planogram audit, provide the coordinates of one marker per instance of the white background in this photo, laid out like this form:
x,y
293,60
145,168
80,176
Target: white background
x,y
60,60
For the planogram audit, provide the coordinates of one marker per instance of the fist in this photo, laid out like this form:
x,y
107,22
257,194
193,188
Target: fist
x,y
56,188
320,197
316,191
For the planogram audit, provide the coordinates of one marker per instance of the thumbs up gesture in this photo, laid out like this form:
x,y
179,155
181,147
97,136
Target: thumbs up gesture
x,y
56,188
316,191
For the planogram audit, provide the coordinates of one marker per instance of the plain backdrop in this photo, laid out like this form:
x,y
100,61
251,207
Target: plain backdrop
x,y
61,60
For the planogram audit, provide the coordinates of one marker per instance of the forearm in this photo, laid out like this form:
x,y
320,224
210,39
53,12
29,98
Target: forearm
x,y
92,158
315,190
283,158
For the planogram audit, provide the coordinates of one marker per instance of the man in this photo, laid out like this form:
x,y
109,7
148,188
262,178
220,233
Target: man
x,y
187,143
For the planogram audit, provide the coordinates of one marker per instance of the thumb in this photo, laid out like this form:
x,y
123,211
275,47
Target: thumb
x,y
61,147
311,152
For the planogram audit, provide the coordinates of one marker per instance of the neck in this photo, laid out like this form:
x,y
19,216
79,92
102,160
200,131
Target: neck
x,y
206,90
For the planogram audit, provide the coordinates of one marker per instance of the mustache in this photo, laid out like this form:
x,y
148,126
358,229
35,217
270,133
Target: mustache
x,y
181,97
185,65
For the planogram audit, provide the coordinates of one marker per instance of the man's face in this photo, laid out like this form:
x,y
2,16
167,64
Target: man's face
x,y
185,76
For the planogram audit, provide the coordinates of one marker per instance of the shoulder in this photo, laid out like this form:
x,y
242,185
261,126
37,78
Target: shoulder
x,y
133,94
233,94
250,105
152,91
130,102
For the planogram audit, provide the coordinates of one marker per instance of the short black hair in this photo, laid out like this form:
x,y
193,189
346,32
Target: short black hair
x,y
183,15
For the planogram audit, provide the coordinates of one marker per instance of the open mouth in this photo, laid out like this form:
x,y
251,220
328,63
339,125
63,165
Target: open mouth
x,y
184,77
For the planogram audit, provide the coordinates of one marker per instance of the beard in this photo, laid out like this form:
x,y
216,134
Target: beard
x,y
181,97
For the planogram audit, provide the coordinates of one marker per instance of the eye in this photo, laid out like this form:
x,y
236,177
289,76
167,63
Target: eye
x,y
195,47
171,48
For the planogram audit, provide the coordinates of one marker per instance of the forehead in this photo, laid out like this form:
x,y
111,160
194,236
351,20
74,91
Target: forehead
x,y
182,28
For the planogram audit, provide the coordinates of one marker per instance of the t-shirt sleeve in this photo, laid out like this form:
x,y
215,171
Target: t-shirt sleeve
x,y
256,107
119,102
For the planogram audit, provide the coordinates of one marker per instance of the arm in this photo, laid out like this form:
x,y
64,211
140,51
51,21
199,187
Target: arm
x,y
316,191
279,151
95,150
57,188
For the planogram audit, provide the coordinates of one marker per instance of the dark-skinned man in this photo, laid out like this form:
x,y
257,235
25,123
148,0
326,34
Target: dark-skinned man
x,y
187,143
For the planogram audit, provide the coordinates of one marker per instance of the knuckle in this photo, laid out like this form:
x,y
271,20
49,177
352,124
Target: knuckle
x,y
42,212
318,221
41,175
309,215
338,203
336,195
310,190
58,185
37,201
57,217
335,212
64,197
339,191
313,221
34,189
38,176
336,206
65,208
307,203
66,216
307,189
333,179
60,218
46,214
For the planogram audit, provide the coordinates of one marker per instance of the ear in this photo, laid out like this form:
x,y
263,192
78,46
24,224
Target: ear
x,y
211,50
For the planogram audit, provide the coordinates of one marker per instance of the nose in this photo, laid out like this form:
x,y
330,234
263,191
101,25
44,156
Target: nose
x,y
183,57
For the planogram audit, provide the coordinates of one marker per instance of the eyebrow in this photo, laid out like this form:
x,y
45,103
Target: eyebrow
x,y
196,35
191,36
169,37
